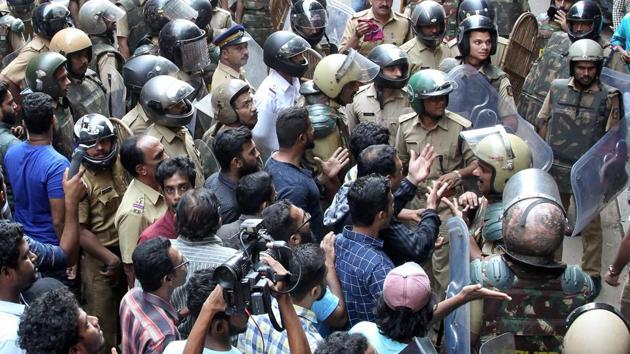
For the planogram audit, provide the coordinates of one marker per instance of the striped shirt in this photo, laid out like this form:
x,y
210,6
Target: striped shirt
x,y
147,323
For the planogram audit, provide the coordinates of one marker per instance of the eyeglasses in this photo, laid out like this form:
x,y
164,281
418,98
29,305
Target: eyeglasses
x,y
306,220
184,263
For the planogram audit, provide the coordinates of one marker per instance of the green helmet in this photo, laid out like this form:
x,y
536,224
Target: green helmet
x,y
586,50
506,154
40,73
428,83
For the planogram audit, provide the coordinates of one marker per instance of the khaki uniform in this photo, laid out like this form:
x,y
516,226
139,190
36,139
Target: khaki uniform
x,y
224,73
366,107
396,30
452,155
178,142
502,44
221,19
16,70
423,57
97,210
137,120
501,82
140,207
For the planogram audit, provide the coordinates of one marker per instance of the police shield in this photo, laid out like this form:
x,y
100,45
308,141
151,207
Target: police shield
x,y
600,174
621,82
339,14
255,69
457,324
476,100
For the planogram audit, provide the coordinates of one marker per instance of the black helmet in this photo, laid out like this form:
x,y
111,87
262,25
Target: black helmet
x,y
472,23
138,70
279,47
429,13
157,13
385,55
90,129
204,11
309,19
49,18
185,44
469,8
22,9
585,11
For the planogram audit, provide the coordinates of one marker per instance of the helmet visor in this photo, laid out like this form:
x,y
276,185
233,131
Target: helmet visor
x,y
312,19
293,47
361,68
179,9
473,137
111,12
178,93
194,55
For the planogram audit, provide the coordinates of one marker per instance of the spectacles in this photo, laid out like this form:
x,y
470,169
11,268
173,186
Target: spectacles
x,y
184,263
306,220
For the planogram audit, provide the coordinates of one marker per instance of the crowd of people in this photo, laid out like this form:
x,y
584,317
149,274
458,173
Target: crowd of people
x,y
376,181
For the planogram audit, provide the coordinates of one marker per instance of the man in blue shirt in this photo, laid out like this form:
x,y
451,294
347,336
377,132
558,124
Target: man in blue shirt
x,y
35,171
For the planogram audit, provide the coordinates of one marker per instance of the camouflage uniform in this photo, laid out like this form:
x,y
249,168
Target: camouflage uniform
x,y
545,29
507,12
257,19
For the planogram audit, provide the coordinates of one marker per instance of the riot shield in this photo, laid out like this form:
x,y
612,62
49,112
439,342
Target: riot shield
x,y
457,324
207,158
255,69
9,57
516,60
205,113
501,344
600,174
339,14
116,91
621,82
476,100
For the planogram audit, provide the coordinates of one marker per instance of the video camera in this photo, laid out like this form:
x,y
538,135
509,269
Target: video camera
x,y
244,278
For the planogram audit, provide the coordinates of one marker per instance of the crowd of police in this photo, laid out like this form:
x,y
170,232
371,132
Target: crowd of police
x,y
150,105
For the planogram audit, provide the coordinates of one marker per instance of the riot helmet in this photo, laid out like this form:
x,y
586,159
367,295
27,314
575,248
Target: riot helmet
x,y
389,55
587,13
309,19
89,130
94,13
469,8
505,154
138,70
157,13
428,83
312,94
586,50
69,41
280,47
475,23
22,9
204,11
50,18
334,71
40,73
425,14
185,44
163,92
595,326
223,97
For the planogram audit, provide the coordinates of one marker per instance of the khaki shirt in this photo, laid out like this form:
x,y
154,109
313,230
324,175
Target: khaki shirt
x,y
496,59
423,57
396,30
105,189
444,136
16,70
140,207
503,86
224,73
178,142
122,25
137,120
365,107
221,19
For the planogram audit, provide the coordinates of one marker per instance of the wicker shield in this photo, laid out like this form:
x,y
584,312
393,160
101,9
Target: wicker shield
x,y
517,58
279,11
122,130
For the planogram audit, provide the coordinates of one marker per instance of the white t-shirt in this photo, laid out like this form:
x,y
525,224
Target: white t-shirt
x,y
10,319
177,347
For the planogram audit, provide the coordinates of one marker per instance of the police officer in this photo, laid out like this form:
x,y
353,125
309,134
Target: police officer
x,y
548,26
543,291
507,12
233,44
130,28
47,73
86,94
48,19
309,19
431,123
233,106
164,100
220,21
11,36
23,9
377,25
98,19
595,327
136,72
384,100
427,49
157,13
576,113
477,41
106,181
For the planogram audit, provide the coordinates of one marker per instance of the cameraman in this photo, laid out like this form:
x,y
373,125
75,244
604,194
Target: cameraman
x,y
215,305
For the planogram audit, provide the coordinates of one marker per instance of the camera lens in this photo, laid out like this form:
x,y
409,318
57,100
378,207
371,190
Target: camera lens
x,y
229,273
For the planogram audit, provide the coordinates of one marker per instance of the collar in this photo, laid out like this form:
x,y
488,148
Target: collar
x,y
209,240
233,73
159,302
167,133
441,123
593,88
370,15
302,312
139,111
360,238
371,92
153,195
12,308
281,84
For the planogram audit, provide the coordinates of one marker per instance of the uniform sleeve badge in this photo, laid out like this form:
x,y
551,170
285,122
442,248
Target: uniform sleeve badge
x,y
138,206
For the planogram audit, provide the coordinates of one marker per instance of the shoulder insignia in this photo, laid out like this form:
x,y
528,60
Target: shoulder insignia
x,y
363,88
107,190
459,119
406,117
138,206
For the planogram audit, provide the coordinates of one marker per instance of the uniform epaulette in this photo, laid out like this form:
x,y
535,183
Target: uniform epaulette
x,y
363,88
218,9
405,117
360,14
458,119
